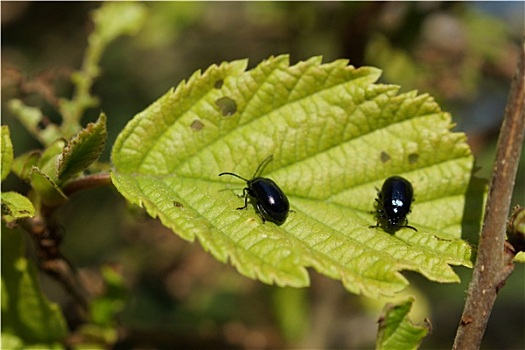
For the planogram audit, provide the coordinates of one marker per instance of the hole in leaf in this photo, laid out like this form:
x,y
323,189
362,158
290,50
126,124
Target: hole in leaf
x,y
42,124
227,106
218,84
413,157
197,125
385,157
6,210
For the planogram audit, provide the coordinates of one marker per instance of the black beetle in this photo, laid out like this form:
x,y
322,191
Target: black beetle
x,y
393,204
270,201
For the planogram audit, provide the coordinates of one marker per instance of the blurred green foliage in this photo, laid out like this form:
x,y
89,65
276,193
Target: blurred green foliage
x,y
174,292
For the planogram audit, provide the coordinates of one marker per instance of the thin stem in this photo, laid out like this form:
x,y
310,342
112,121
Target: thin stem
x,y
89,181
47,235
494,262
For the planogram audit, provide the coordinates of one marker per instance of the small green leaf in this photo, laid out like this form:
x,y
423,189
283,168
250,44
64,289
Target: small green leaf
x,y
11,341
396,331
516,232
83,149
44,178
15,206
335,135
46,187
32,118
27,314
23,164
7,152
103,309
49,159
291,311
114,19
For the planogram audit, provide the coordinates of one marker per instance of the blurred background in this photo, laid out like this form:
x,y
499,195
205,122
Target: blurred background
x,y
172,292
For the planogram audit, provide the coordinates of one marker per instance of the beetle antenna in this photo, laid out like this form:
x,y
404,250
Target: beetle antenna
x,y
232,174
263,164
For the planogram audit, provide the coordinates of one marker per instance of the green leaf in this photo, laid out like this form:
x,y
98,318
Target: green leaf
x,y
48,162
27,313
83,149
46,187
516,232
11,341
44,177
104,309
7,152
32,118
15,206
117,18
396,331
291,311
335,136
23,164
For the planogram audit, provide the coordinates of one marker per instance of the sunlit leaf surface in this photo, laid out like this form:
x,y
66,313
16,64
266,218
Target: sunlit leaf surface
x,y
335,136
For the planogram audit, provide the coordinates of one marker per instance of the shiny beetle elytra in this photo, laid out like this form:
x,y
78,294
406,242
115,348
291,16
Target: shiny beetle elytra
x,y
270,201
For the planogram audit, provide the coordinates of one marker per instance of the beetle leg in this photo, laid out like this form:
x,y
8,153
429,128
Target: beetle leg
x,y
405,224
245,199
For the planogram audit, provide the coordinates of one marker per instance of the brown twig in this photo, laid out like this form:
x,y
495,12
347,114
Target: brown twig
x,y
47,235
494,262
